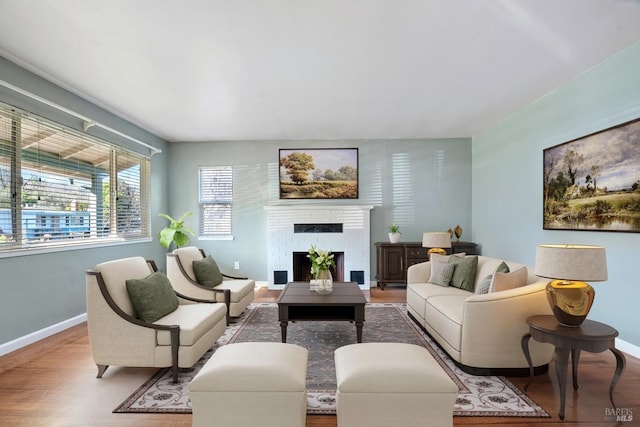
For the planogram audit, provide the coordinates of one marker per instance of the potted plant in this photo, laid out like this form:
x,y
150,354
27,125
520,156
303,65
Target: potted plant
x,y
394,233
175,232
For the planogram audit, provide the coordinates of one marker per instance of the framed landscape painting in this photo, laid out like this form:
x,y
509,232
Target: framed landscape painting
x,y
319,173
593,183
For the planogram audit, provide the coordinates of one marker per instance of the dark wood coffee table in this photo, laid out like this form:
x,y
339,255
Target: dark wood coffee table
x,y
298,303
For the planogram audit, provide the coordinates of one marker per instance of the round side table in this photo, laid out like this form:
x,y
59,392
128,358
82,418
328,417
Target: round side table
x,y
594,337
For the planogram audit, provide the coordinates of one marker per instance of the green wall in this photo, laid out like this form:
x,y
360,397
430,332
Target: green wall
x,y
423,185
507,180
38,291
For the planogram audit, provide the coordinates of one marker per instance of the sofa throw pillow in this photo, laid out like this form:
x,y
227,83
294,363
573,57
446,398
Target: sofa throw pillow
x,y
483,286
464,276
152,297
502,268
444,258
207,272
512,280
441,273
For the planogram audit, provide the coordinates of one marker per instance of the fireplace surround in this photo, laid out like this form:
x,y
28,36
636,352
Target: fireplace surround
x,y
343,229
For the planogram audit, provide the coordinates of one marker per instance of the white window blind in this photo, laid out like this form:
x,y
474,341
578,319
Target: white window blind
x,y
215,198
55,185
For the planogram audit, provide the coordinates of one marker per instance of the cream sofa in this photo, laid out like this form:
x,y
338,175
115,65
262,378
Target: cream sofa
x,y
481,332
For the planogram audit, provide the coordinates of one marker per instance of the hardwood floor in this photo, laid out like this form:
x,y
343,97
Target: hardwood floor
x,y
52,383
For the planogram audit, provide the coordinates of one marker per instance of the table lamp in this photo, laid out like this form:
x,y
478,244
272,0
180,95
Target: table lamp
x,y
437,241
570,266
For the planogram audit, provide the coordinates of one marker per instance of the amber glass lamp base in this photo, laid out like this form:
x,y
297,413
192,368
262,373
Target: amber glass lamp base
x,y
437,251
570,301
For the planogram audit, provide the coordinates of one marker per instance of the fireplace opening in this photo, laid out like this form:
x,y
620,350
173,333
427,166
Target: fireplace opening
x,y
302,267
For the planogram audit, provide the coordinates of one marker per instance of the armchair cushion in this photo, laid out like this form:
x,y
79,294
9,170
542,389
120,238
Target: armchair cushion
x,y
152,297
207,272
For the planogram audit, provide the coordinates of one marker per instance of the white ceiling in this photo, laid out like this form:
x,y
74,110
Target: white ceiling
x,y
205,70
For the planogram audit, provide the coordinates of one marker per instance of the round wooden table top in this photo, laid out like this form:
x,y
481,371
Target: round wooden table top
x,y
589,329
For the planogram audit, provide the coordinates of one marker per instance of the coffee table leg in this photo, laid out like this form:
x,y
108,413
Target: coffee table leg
x,y
359,331
283,329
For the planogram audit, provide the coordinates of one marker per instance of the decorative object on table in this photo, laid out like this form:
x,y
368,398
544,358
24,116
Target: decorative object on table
x,y
321,263
458,232
450,231
319,173
175,232
570,266
394,233
586,184
437,242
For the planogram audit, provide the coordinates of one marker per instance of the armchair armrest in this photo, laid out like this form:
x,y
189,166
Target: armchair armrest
x,y
419,273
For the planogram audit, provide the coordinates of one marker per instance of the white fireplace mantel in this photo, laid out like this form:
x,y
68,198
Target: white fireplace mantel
x,y
354,240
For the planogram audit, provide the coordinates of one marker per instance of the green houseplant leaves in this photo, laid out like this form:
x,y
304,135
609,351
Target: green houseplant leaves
x,y
175,232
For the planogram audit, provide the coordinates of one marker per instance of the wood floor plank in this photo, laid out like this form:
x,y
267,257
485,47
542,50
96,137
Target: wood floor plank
x,y
52,383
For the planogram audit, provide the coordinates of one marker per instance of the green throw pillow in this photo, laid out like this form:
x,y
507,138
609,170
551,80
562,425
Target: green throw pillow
x,y
207,272
441,273
152,297
464,276
502,268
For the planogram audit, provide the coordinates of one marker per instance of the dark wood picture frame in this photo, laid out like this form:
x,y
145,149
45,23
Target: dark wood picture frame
x,y
318,173
592,183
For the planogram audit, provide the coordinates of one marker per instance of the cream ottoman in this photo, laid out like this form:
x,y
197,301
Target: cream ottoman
x,y
392,384
252,384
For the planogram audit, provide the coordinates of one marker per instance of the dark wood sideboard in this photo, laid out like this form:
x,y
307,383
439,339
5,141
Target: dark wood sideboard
x,y
393,259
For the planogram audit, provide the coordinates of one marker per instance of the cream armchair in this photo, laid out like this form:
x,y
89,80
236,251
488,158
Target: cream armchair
x,y
236,292
117,337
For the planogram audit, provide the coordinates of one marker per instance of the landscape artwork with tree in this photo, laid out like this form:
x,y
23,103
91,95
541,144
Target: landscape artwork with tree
x,y
320,173
593,183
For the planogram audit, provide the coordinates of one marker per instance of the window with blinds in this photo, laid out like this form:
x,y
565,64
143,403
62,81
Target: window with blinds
x,y
61,187
215,198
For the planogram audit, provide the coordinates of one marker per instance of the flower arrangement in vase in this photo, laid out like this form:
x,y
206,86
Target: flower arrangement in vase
x,y
321,263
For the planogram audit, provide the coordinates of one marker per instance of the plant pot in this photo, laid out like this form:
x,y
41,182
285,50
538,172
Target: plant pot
x,y
394,237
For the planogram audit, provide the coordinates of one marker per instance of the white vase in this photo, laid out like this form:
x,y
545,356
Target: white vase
x,y
324,281
394,237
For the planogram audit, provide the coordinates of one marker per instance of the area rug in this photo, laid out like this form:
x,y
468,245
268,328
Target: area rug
x,y
489,396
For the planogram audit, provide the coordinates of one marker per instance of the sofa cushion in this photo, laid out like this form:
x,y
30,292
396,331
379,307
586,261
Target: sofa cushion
x,y
511,280
464,275
207,272
444,313
441,273
239,289
152,297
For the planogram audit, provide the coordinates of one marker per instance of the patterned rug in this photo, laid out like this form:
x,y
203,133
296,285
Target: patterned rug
x,y
478,396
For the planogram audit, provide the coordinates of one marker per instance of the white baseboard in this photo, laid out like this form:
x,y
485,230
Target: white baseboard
x,y
630,349
24,341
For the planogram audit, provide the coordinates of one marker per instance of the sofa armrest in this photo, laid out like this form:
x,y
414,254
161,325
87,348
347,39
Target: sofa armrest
x,y
419,273
494,323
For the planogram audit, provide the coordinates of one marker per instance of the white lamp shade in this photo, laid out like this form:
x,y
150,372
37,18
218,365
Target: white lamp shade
x,y
436,240
571,262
